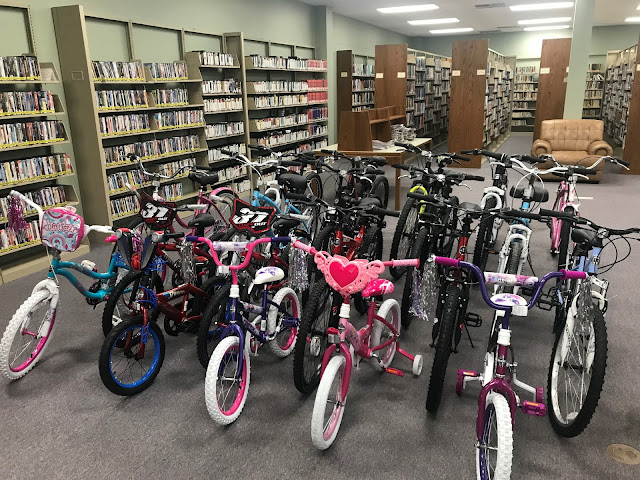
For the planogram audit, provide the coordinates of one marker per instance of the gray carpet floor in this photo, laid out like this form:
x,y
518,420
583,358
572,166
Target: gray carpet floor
x,y
61,422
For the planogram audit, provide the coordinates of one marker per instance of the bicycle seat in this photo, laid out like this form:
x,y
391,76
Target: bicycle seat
x,y
204,178
377,287
540,194
583,236
293,181
268,275
284,223
370,201
472,209
202,221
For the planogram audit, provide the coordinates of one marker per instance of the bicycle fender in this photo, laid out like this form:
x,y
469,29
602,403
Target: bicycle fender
x,y
217,191
47,284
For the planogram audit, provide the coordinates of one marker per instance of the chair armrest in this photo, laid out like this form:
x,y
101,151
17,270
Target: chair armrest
x,y
599,148
541,147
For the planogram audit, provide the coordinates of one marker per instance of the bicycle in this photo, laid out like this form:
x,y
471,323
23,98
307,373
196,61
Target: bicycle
x,y
31,327
229,370
377,340
497,402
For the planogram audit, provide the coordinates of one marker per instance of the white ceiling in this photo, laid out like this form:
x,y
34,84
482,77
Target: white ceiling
x,y
608,12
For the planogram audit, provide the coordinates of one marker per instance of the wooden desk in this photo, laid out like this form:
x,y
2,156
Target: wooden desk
x,y
393,155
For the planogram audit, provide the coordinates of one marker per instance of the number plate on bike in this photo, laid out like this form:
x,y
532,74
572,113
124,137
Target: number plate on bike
x,y
254,219
160,215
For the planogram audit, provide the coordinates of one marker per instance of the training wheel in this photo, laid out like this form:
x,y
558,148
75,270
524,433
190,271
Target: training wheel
x,y
539,395
417,365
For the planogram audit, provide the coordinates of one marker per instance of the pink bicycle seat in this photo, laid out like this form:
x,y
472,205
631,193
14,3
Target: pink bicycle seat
x,y
347,277
377,287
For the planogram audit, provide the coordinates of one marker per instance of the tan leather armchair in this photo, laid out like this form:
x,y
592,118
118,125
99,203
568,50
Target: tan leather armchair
x,y
571,142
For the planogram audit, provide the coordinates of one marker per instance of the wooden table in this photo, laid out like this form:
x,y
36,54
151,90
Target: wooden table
x,y
393,155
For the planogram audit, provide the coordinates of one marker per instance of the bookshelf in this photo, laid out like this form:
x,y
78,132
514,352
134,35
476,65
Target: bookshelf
x,y
355,80
620,74
33,155
593,92
498,96
525,93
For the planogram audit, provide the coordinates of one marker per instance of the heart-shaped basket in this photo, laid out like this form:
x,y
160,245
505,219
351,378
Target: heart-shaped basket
x,y
345,276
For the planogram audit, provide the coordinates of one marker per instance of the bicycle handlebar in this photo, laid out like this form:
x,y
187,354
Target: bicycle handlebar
x,y
407,262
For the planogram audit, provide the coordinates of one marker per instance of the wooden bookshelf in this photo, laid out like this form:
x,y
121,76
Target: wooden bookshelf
x,y
620,76
632,140
355,80
525,93
593,92
392,65
498,97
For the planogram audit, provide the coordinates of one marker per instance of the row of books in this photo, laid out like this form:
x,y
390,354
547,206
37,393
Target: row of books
x,y
278,138
131,123
179,118
317,113
106,70
281,100
359,84
232,172
152,148
593,103
591,112
318,97
118,181
15,171
168,71
522,105
281,121
229,85
30,133
280,86
593,94
22,67
318,129
172,191
121,99
290,63
529,96
171,96
46,197
362,98
10,239
216,154
216,105
216,59
216,130
318,84
171,168
124,206
361,69
20,103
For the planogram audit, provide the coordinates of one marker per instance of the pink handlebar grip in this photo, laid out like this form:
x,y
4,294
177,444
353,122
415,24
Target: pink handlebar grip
x,y
573,275
408,262
449,262
304,246
110,239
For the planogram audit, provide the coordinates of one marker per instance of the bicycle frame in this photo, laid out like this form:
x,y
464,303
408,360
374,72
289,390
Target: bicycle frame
x,y
566,197
60,267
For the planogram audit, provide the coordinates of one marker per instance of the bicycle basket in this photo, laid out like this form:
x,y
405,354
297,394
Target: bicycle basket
x,y
159,215
62,228
246,217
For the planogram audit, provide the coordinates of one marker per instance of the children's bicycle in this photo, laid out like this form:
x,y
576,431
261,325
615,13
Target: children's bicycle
x,y
378,340
29,331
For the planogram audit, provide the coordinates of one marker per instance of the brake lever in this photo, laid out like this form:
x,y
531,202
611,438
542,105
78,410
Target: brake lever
x,y
406,175
465,185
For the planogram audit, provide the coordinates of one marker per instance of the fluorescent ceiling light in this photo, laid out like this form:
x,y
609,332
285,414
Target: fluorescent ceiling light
x,y
546,27
540,6
452,30
433,21
408,8
632,19
544,21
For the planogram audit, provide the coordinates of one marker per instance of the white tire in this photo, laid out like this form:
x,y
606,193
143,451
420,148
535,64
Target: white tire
x,y
215,392
418,361
389,310
22,321
283,346
500,424
324,432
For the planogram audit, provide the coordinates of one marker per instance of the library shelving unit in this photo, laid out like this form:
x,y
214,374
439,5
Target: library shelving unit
x,y
287,96
593,92
632,140
391,83
498,94
525,93
621,67
355,82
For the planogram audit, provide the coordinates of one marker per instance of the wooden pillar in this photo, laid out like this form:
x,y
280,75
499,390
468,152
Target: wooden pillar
x,y
632,140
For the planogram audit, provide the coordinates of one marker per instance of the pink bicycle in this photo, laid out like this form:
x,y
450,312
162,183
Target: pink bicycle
x,y
378,340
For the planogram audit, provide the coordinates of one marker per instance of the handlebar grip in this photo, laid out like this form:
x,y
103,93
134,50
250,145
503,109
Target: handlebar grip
x,y
303,246
455,156
280,239
377,171
376,160
530,159
554,213
290,163
400,166
301,197
470,152
328,152
448,262
623,162
383,211
477,178
408,262
420,196
513,212
573,275
227,152
110,239
584,170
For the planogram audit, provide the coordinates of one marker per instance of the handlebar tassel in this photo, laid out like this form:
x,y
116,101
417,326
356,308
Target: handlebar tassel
x,y
15,216
425,290
298,278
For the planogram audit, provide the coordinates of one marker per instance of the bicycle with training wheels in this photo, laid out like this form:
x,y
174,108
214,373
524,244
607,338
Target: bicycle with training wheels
x,y
29,331
377,340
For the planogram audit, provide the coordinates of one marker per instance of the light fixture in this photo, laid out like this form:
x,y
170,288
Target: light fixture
x,y
632,19
544,21
433,21
409,8
546,27
451,30
540,6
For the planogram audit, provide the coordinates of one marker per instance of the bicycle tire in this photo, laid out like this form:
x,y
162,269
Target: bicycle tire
x,y
314,182
443,345
564,254
283,346
496,408
483,237
420,250
323,433
405,230
324,241
206,339
380,333
380,189
370,249
513,262
563,425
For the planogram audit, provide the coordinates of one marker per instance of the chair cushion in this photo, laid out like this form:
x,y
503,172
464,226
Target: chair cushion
x,y
571,134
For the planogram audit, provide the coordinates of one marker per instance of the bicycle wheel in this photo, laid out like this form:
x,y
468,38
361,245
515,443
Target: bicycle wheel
x,y
370,249
27,335
225,391
513,262
483,238
421,249
211,324
328,407
312,225
446,326
380,189
222,214
565,250
314,182
285,340
381,333
123,369
403,236
494,454
319,314
576,372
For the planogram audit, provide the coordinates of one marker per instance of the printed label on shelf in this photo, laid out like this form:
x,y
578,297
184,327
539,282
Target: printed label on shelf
x,y
481,71
567,68
455,73
545,70
402,74
343,74
638,68
380,75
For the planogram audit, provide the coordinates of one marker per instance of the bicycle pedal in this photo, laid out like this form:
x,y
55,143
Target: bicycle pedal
x,y
463,377
473,320
549,299
394,371
534,408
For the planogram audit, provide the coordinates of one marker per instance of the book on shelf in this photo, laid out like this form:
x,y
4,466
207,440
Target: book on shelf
x,y
11,239
227,86
118,124
225,129
292,120
222,104
289,63
21,170
170,97
171,168
18,68
117,71
121,99
168,70
216,59
179,118
215,154
124,206
173,191
47,197
152,149
23,103
364,70
31,133
117,182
